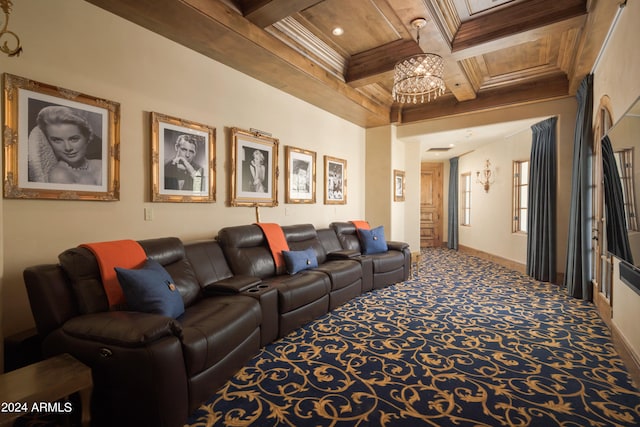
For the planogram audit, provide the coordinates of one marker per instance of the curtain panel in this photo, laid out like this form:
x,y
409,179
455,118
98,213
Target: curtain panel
x,y
577,279
452,222
617,237
541,222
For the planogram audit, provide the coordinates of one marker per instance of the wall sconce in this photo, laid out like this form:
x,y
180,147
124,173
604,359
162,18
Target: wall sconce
x,y
6,34
486,176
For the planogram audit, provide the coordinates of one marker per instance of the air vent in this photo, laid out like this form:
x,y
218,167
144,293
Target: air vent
x,y
439,149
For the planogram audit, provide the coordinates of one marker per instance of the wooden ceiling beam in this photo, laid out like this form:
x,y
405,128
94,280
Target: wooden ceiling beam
x,y
554,87
518,18
517,38
367,67
266,12
218,32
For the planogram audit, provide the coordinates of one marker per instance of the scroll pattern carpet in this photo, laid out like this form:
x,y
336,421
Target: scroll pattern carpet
x,y
464,342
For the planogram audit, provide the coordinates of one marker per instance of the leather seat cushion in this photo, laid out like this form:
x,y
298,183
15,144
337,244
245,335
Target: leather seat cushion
x,y
387,261
214,327
300,289
341,272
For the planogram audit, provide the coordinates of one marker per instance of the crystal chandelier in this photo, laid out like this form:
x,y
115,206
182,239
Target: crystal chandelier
x,y
418,77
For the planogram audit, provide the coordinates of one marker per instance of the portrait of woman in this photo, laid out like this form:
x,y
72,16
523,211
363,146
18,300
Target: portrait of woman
x,y
59,148
255,170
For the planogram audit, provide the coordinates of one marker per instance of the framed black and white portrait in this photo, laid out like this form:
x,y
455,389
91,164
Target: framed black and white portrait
x,y
182,160
398,185
300,175
59,143
335,181
254,174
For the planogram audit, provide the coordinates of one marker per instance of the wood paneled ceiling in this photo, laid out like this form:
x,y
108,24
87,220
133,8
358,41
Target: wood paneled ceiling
x,y
497,52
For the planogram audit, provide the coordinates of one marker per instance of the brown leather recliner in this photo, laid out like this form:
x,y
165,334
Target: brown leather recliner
x,y
345,274
387,268
302,297
147,369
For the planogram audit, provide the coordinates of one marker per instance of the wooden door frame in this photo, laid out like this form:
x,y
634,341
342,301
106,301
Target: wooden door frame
x,y
438,167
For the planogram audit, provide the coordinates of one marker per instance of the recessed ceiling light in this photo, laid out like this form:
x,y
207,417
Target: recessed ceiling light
x,y
337,31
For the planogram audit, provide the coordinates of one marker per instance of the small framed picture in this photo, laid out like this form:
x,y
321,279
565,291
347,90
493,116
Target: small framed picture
x,y
335,181
398,185
300,175
254,170
183,159
59,143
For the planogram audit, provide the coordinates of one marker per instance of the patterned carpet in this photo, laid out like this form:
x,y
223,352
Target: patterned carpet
x,y
465,342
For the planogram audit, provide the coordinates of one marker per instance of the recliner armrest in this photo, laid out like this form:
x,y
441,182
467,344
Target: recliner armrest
x,y
343,254
397,246
231,285
123,328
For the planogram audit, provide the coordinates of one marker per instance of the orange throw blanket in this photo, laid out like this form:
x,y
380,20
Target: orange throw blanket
x,y
117,253
277,243
361,224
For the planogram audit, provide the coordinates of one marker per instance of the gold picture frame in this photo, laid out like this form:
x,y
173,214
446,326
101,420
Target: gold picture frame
x,y
335,181
254,169
59,143
398,185
183,160
300,175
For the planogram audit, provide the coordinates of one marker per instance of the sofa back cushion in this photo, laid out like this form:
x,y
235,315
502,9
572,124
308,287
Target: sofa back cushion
x,y
169,252
347,235
329,240
302,237
208,261
247,251
83,271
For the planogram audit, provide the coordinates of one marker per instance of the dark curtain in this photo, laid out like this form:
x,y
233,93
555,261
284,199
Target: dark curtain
x,y
617,237
452,240
577,277
541,222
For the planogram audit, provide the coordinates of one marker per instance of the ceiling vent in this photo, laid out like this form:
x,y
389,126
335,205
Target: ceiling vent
x,y
439,149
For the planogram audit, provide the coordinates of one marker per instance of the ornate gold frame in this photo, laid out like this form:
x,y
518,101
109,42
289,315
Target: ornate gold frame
x,y
398,185
291,193
171,127
338,194
241,192
17,159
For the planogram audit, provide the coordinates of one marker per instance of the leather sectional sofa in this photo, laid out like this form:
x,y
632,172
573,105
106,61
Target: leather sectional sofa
x,y
149,369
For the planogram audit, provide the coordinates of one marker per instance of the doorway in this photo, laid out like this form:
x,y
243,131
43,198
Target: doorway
x,y
431,204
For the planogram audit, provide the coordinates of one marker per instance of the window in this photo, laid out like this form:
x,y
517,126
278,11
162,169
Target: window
x,y
520,195
624,162
465,193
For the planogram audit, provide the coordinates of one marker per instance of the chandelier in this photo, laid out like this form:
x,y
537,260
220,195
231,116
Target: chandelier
x,y
418,77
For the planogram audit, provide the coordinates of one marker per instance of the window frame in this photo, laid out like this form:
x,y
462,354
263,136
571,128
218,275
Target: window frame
x,y
465,202
516,213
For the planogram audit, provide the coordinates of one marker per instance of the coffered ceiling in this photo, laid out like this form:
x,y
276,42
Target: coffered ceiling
x,y
497,52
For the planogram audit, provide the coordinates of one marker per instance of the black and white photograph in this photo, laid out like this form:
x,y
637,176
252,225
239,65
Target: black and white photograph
x,y
183,157
398,185
253,180
300,175
335,182
66,143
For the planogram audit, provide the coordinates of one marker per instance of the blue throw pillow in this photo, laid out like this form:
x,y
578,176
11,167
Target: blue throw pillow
x,y
300,260
150,289
372,241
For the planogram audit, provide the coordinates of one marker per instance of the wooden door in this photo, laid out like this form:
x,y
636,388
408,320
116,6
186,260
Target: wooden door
x,y
431,205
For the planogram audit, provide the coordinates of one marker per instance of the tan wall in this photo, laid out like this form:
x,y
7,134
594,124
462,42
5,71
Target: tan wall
x,y
491,224
384,154
379,177
75,45
485,207
616,75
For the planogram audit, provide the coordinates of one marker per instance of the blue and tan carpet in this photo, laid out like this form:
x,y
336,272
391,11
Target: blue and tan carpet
x,y
464,342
